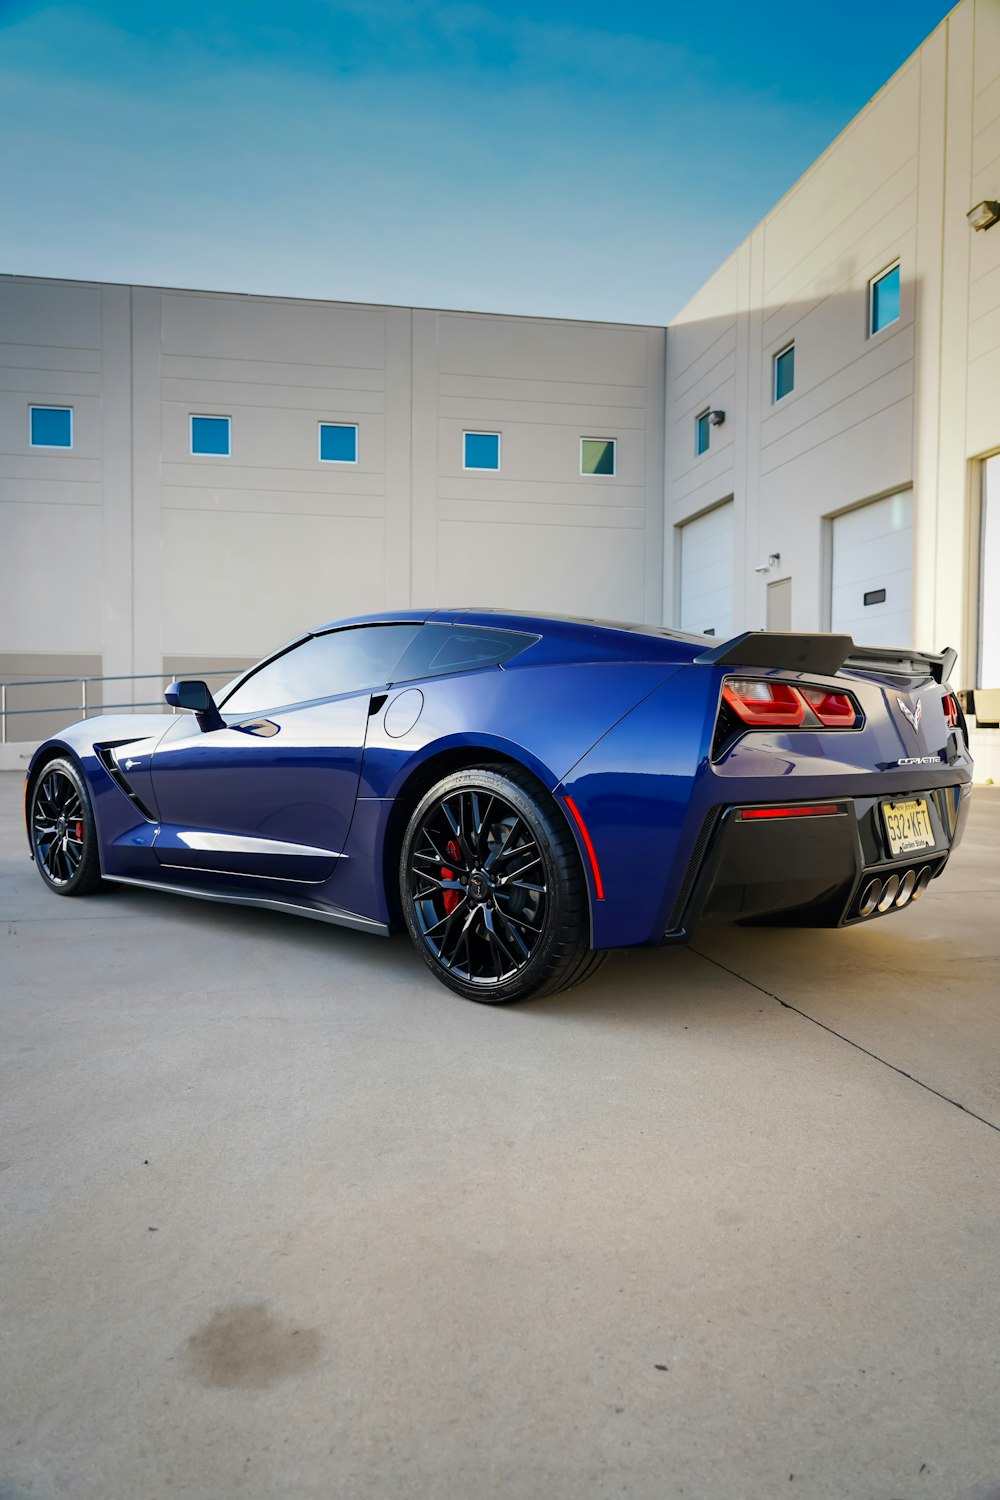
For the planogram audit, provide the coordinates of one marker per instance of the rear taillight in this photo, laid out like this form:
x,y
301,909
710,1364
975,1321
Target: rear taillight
x,y
764,704
951,711
833,710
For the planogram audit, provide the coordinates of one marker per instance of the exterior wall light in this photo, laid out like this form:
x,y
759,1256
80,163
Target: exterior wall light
x,y
716,418
773,561
985,214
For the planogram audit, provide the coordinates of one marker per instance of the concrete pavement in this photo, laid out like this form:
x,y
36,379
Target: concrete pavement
x,y
281,1216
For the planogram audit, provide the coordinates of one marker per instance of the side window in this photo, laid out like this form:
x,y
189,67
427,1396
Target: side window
x,y
211,436
597,455
440,649
51,426
342,661
480,450
784,373
883,300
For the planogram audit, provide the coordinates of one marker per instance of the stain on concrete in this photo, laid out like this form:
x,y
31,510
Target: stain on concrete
x,y
248,1348
10,1491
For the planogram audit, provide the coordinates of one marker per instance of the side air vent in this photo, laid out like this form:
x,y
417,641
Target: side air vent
x,y
105,754
691,873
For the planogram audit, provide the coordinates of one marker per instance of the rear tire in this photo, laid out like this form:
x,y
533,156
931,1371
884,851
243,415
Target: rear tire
x,y
63,831
492,888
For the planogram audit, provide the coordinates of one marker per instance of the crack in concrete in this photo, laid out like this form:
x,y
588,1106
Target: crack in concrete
x,y
787,1005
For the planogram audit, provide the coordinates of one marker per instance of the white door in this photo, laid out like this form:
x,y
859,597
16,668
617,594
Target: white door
x,y
706,573
872,581
779,605
989,583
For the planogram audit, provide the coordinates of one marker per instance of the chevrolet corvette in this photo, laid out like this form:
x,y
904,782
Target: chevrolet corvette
x,y
524,793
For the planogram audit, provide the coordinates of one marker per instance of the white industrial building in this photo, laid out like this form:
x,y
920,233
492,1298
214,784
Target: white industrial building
x,y
189,478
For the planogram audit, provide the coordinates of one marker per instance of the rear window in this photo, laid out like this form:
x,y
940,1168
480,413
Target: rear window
x,y
440,649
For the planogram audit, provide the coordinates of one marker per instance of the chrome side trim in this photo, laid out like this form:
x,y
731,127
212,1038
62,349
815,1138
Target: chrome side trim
x,y
241,843
337,917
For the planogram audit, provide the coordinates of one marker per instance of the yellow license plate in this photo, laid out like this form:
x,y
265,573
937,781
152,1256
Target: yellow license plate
x,y
908,826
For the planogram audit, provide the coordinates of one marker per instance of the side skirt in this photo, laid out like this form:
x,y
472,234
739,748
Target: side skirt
x,y
271,903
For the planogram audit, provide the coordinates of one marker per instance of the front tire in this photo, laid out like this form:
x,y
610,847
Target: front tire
x,y
492,888
63,830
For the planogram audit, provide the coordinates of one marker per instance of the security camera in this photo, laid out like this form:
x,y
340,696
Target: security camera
x,y
772,562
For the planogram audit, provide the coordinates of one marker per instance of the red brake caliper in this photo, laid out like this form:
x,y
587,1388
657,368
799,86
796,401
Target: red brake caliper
x,y
78,829
451,898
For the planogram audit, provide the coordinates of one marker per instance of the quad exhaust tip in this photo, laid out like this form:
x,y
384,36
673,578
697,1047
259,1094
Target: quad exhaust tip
x,y
895,890
889,892
870,898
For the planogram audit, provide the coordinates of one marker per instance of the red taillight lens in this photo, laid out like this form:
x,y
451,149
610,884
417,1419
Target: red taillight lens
x,y
835,710
764,704
797,810
951,711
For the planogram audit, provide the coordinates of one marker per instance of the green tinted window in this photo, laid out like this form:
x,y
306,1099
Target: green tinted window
x,y
597,455
784,372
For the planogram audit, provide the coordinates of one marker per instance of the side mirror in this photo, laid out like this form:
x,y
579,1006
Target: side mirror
x,y
196,697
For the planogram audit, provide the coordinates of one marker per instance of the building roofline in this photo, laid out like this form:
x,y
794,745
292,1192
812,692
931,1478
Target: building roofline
x,y
465,312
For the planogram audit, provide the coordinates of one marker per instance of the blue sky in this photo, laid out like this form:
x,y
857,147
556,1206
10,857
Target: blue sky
x,y
567,158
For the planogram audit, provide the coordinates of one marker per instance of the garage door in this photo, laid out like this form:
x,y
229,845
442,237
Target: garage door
x,y
872,572
706,573
989,583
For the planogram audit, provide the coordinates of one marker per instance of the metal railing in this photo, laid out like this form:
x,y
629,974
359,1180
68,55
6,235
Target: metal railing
x,y
82,707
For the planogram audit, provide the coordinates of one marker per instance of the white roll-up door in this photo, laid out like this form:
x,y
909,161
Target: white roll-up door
x,y
989,582
706,573
872,572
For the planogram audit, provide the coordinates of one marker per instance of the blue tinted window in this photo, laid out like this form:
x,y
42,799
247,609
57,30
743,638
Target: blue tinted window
x,y
440,649
885,300
784,372
52,427
342,661
210,435
338,442
481,450
701,431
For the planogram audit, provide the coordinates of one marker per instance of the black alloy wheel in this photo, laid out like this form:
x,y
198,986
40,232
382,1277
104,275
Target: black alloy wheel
x,y
492,888
62,830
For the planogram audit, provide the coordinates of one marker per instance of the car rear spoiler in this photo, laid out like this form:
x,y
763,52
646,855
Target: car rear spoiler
x,y
900,661
823,654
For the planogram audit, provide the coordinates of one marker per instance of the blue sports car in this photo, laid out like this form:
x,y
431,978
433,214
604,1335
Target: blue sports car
x,y
524,793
